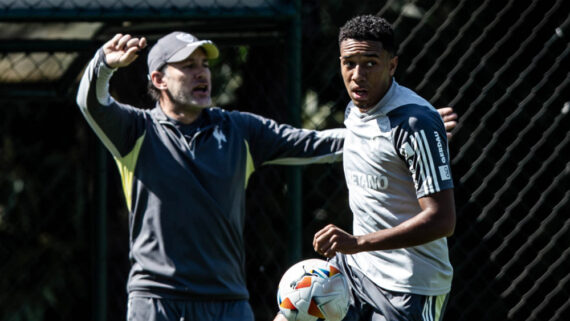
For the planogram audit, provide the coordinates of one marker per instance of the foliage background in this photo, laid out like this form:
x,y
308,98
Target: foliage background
x,y
501,64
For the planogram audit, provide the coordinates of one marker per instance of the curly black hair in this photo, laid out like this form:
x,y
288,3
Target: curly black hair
x,y
369,27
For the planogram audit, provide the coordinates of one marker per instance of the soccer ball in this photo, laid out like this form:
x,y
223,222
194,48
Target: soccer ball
x,y
312,290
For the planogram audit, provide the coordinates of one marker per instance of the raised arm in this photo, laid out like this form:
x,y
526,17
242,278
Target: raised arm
x,y
111,121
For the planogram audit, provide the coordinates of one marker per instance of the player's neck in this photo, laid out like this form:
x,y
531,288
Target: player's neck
x,y
183,114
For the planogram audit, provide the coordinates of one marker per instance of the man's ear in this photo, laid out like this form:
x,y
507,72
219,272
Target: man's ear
x,y
158,80
393,65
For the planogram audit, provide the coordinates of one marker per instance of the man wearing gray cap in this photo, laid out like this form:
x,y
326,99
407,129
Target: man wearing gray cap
x,y
184,167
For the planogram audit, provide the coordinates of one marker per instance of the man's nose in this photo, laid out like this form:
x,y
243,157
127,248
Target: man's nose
x,y
359,73
202,72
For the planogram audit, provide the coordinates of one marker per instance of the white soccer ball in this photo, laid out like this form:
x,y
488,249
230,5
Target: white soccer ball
x,y
313,290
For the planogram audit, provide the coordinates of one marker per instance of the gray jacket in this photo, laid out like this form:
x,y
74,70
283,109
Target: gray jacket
x,y
185,187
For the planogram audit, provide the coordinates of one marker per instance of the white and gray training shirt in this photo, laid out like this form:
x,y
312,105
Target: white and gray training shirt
x,y
395,154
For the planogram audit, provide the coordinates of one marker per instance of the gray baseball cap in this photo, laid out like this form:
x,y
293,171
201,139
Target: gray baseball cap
x,y
175,47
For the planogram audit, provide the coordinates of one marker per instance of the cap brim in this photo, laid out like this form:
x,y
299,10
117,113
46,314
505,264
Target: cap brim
x,y
211,51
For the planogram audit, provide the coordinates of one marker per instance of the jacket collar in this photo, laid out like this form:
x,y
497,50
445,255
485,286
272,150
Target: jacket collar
x,y
209,114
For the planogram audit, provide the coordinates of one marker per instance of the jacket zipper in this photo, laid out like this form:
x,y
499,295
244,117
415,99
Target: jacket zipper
x,y
191,145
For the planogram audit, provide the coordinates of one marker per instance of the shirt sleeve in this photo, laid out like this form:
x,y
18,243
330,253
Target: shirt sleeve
x,y
117,125
282,144
421,142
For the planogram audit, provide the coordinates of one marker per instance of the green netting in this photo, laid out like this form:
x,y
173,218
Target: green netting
x,y
503,65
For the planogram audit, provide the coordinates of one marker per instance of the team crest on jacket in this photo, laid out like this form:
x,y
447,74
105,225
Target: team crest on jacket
x,y
219,136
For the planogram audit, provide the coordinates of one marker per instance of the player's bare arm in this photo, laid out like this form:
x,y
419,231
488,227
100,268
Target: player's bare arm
x,y
436,220
122,50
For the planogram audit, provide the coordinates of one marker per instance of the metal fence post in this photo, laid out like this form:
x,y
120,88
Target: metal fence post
x,y
100,233
294,180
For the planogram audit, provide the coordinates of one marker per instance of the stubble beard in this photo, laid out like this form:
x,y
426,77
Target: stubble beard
x,y
185,100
